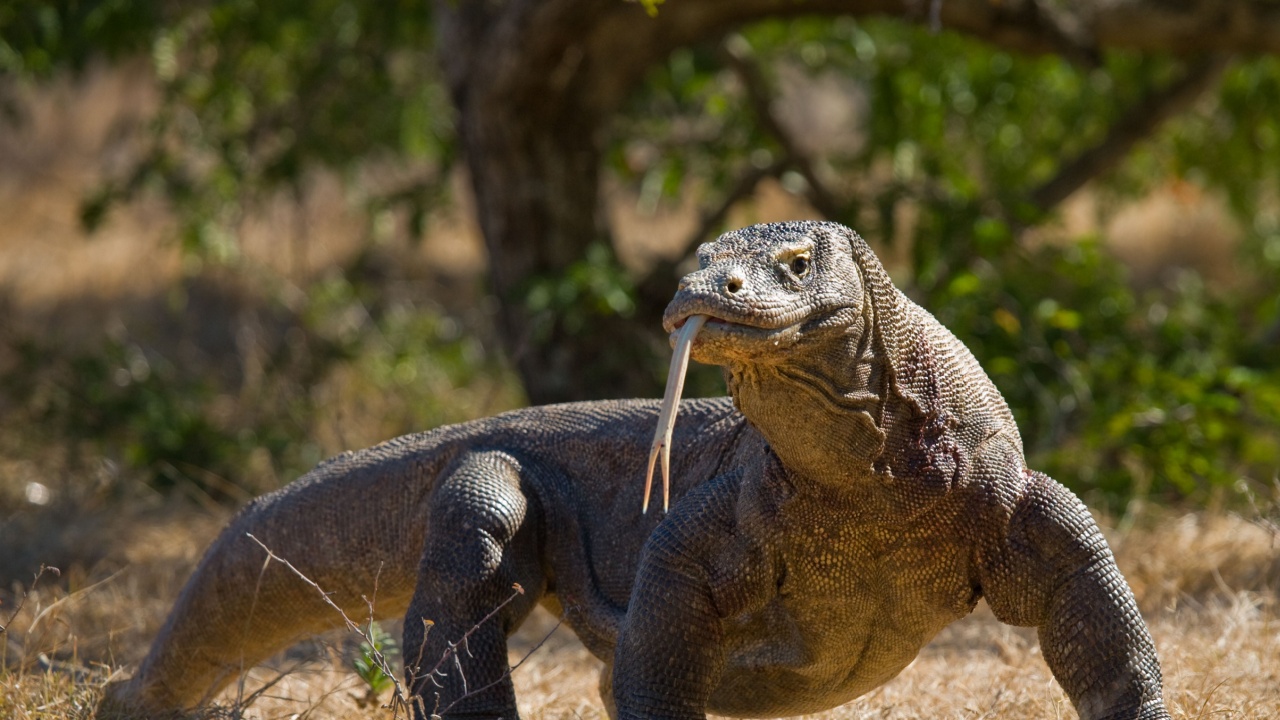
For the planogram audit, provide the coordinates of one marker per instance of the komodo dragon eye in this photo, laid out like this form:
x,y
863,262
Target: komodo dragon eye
x,y
799,265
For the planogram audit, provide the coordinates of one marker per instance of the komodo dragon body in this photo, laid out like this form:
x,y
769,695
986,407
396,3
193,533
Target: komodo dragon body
x,y
864,488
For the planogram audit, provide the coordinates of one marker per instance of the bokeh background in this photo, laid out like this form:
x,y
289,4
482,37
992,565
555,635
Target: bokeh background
x,y
238,238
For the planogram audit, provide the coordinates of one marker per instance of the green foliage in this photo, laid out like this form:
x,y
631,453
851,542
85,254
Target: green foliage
x,y
367,666
176,422
686,123
592,290
650,6
429,367
154,417
38,37
256,95
1231,145
949,123
1167,391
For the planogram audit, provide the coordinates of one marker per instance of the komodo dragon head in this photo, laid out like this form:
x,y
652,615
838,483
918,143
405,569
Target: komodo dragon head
x,y
764,293
765,288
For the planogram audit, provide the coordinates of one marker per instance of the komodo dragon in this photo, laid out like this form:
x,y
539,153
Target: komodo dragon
x,y
864,487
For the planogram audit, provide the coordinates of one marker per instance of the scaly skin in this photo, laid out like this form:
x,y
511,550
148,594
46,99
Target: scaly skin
x,y
867,490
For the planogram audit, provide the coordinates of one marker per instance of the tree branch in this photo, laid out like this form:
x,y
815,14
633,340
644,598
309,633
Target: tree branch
x,y
1138,123
737,54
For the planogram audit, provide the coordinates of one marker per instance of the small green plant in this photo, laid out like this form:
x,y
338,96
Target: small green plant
x,y
367,666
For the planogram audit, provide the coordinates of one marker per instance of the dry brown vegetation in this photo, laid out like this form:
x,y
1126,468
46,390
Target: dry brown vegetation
x,y
1208,582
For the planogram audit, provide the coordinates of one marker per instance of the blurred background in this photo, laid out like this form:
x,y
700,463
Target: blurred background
x,y
237,238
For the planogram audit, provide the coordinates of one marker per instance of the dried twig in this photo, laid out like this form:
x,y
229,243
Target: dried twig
x,y
4,629
244,701
23,600
451,652
513,668
399,698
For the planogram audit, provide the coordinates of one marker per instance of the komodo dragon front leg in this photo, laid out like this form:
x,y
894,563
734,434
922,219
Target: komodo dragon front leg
x,y
697,572
1051,569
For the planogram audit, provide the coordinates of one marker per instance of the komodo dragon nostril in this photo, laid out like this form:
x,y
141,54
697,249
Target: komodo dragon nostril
x,y
734,283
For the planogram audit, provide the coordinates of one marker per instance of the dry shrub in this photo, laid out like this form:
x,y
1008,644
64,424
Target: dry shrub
x,y
1199,556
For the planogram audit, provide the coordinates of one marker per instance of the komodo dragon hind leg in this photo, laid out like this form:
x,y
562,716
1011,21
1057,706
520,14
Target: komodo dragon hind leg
x,y
481,540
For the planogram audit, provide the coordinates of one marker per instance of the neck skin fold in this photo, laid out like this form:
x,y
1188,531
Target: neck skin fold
x,y
821,410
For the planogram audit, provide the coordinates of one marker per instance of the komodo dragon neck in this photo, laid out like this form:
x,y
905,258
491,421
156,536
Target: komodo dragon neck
x,y
823,409
849,381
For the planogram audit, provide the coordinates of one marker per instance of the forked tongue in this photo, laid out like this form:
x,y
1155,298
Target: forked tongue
x,y
667,413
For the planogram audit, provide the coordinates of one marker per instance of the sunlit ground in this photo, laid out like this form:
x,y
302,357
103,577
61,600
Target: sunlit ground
x,y
1206,584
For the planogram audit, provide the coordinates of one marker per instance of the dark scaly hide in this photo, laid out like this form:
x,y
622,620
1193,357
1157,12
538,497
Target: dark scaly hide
x,y
864,487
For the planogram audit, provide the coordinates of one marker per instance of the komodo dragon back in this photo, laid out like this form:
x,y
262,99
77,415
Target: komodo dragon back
x,y
864,486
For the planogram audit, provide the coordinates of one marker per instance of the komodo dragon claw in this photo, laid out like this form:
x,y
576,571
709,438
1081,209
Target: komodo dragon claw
x,y
667,413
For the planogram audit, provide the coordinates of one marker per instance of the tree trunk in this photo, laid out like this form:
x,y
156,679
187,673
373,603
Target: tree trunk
x,y
531,97
535,82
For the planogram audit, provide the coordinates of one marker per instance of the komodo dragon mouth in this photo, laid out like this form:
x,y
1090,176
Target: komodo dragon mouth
x,y
686,329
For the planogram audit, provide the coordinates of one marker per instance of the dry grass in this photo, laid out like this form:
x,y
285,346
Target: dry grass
x,y
1207,583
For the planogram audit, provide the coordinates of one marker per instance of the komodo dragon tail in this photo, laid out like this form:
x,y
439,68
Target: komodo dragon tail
x,y
354,525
